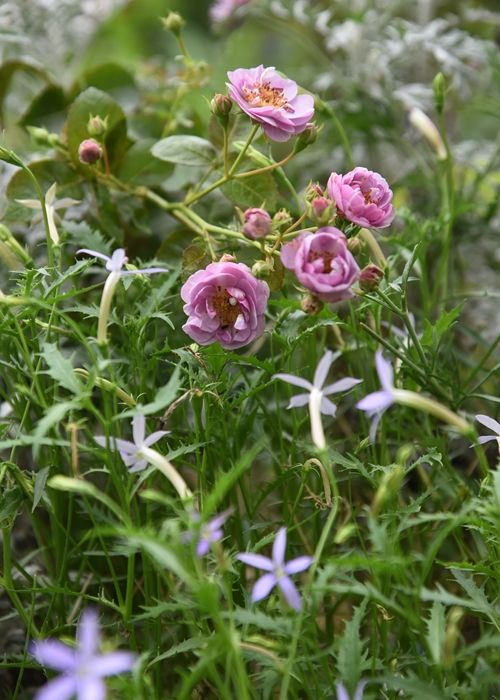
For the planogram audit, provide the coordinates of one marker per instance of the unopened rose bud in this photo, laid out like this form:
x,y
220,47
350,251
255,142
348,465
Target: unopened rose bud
x,y
257,223
262,268
310,304
306,137
227,257
221,106
282,218
320,210
173,22
313,190
89,152
355,245
97,126
370,277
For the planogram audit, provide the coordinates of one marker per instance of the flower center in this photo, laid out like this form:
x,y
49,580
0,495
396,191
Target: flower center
x,y
226,307
325,256
279,572
264,95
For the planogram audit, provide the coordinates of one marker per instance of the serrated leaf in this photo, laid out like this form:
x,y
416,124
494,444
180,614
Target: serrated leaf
x,y
350,656
259,190
184,150
39,487
10,505
54,415
61,369
163,398
436,631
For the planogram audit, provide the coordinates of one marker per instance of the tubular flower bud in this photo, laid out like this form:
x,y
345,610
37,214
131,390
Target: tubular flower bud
x,y
221,105
257,223
370,277
97,126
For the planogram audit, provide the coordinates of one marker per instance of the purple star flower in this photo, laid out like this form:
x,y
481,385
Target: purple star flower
x,y
114,265
378,402
278,570
210,532
82,669
317,394
493,425
342,693
131,452
117,260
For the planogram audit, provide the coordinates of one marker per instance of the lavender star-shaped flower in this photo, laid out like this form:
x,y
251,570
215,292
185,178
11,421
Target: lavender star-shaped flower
x,y
317,394
210,532
117,260
82,669
132,452
342,693
493,425
51,206
378,402
278,570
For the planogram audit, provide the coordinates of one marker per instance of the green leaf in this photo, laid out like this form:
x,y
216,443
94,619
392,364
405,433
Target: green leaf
x,y
184,150
194,258
160,553
54,415
96,103
436,631
351,657
138,167
61,369
10,505
39,488
85,488
259,190
163,398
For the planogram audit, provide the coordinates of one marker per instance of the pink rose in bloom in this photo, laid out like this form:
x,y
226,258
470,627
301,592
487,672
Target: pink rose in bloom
x,y
225,303
257,223
221,10
322,263
363,197
271,100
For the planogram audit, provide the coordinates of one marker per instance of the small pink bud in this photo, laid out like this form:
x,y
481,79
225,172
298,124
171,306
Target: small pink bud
x,y
313,190
227,257
89,152
355,245
321,210
257,223
370,277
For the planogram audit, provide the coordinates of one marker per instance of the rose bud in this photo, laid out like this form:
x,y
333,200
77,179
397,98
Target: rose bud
x,y
89,152
96,126
282,218
221,105
310,304
173,22
370,277
306,137
355,245
257,223
313,190
320,210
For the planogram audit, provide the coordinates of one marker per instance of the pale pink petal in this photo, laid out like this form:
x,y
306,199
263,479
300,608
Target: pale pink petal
x,y
91,689
322,369
384,371
327,407
154,437
88,634
342,385
488,422
93,253
54,654
298,401
138,429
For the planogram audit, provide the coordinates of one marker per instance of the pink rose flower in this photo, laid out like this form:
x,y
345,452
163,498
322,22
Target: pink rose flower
x,y
224,303
257,223
363,197
322,263
271,100
222,10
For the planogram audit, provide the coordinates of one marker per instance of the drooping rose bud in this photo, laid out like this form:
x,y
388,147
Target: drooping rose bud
x,y
370,277
221,106
257,223
227,257
97,126
89,152
306,137
355,245
313,190
310,304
